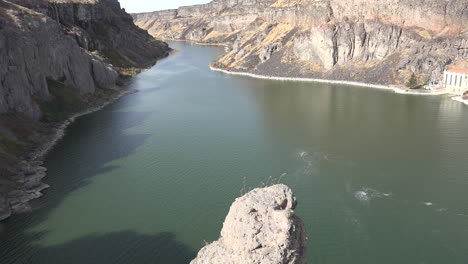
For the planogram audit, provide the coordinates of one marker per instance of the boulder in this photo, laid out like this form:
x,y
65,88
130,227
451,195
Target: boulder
x,y
262,228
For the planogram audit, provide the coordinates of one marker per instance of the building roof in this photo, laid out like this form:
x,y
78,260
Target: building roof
x,y
458,70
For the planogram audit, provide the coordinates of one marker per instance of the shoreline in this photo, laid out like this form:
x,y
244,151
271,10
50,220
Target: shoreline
x,y
459,99
32,164
316,80
59,132
351,83
199,43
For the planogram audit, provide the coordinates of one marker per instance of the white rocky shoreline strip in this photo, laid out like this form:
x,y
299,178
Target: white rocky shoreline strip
x,y
360,84
460,99
192,42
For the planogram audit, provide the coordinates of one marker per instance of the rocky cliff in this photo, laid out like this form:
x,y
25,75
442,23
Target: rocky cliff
x,y
57,58
261,227
372,41
103,27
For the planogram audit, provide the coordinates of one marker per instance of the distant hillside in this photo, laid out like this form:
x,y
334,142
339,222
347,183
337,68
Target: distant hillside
x,y
372,41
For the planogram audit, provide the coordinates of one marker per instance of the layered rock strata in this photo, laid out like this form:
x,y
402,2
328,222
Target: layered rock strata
x,y
371,41
261,227
57,58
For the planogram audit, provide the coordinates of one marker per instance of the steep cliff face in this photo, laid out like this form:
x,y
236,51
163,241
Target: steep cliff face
x,y
33,49
261,227
57,58
104,27
373,41
82,51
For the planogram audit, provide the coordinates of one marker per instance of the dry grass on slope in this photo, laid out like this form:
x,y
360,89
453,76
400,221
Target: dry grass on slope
x,y
290,3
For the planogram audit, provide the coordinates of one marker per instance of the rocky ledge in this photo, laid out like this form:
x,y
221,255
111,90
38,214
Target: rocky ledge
x,y
369,41
260,228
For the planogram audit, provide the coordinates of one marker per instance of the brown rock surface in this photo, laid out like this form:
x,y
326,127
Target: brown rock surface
x,y
372,41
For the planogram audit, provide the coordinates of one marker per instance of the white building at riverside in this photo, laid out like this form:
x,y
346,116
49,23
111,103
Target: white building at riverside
x,y
456,80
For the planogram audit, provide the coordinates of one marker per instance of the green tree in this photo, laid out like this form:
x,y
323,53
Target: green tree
x,y
412,82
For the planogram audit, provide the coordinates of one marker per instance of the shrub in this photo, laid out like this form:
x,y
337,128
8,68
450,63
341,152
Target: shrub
x,y
412,82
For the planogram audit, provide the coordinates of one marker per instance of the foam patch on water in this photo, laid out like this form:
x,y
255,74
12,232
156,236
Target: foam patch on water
x,y
362,196
367,194
311,162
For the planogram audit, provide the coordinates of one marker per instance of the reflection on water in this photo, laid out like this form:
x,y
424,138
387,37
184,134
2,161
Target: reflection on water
x,y
380,177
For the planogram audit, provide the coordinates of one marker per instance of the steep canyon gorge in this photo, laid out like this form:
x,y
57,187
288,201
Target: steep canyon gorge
x,y
370,41
59,58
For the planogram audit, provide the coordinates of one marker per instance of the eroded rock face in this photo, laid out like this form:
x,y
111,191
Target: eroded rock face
x,y
261,227
371,41
101,25
35,48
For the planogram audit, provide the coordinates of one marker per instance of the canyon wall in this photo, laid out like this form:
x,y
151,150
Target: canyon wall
x,y
78,51
57,58
372,41
261,227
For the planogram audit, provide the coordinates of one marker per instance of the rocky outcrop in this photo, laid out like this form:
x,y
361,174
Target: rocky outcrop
x,y
56,58
103,27
372,41
33,49
92,40
26,185
261,227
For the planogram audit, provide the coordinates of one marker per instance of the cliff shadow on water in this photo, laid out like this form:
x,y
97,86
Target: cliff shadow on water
x,y
135,248
21,244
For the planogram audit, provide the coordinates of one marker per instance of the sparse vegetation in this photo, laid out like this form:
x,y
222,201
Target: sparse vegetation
x,y
426,79
64,103
10,146
18,135
269,181
412,82
116,59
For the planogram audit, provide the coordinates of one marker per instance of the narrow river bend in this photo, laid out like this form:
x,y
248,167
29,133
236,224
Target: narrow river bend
x,y
380,177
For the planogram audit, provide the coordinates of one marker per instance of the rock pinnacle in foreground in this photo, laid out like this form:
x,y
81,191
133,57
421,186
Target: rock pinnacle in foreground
x,y
262,228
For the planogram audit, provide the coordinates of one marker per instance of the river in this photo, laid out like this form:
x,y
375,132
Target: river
x,y
380,177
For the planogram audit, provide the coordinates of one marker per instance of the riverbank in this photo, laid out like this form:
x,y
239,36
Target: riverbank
x,y
460,99
200,43
29,171
360,84
83,67
59,132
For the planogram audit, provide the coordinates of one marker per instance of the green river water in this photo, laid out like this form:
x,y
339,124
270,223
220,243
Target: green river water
x,y
380,177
